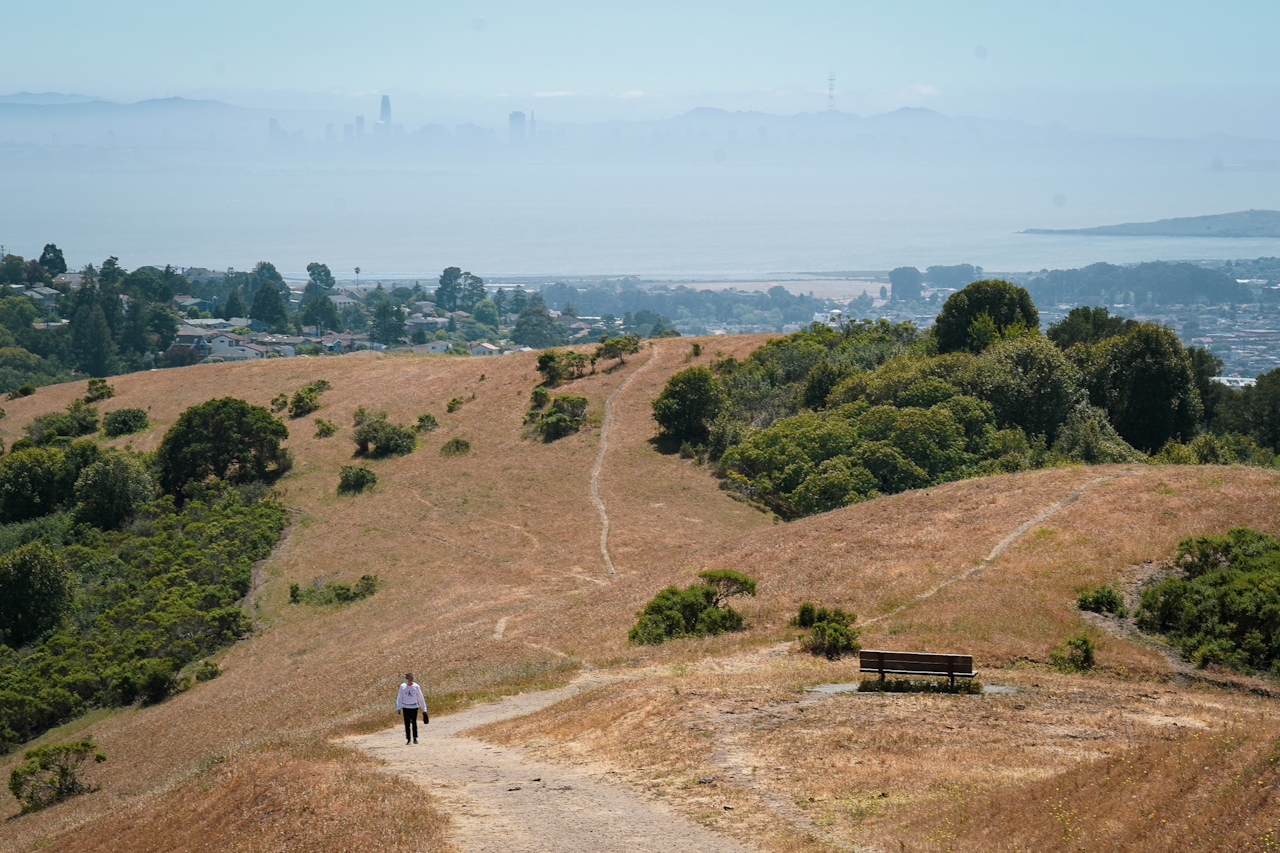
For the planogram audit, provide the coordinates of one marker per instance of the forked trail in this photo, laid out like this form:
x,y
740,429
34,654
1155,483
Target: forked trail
x,y
504,801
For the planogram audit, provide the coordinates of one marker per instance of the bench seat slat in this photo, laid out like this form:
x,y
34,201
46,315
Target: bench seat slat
x,y
917,663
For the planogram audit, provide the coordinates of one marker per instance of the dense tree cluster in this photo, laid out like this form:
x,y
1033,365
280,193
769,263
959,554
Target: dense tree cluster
x,y
116,570
825,417
1224,608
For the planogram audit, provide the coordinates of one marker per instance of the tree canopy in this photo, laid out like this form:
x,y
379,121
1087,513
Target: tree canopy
x,y
972,318
227,439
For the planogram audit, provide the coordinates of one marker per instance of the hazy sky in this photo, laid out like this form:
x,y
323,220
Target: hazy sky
x,y
1162,66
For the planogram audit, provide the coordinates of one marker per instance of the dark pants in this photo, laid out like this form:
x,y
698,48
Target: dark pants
x,y
410,723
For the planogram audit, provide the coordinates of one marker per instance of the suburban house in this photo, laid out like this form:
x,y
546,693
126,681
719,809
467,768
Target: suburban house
x,y
184,302
45,297
439,346
430,325
483,348
68,281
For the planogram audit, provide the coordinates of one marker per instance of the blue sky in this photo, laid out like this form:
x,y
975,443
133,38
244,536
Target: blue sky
x,y
1086,63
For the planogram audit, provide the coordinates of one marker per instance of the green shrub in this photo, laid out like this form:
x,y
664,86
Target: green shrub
x,y
566,416
322,593
376,437
36,481
1078,656
23,391
98,390
79,419
1104,599
280,402
158,678
698,610
305,401
111,490
1225,606
34,593
688,405
539,398
830,631
455,447
208,671
324,428
354,479
307,398
454,404
124,422
427,422
50,774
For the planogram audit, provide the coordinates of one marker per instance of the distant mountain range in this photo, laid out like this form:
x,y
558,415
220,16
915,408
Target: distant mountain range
x,y
1244,223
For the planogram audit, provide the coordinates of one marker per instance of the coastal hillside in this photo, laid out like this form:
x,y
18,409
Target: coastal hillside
x,y
1242,223
492,580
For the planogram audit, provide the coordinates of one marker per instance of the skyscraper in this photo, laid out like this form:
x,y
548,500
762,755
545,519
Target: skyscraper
x,y
515,126
384,117
359,126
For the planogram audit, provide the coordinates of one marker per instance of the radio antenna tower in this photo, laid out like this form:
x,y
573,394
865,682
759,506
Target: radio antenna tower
x,y
831,91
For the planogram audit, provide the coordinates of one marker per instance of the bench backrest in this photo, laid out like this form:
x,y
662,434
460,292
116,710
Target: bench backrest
x,y
919,663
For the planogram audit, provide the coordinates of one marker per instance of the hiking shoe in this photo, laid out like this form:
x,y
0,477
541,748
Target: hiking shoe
x,y
415,740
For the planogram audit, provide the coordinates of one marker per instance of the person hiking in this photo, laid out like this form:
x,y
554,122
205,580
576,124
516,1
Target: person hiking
x,y
408,700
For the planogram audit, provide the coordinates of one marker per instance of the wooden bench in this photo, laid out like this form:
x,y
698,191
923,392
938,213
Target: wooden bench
x,y
917,663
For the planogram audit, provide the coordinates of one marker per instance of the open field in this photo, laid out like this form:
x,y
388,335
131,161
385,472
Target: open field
x,y
494,583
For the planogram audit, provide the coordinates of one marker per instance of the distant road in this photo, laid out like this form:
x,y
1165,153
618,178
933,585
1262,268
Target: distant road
x,y
1244,223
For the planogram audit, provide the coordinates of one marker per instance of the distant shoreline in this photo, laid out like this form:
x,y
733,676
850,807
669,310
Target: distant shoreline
x,y
1242,224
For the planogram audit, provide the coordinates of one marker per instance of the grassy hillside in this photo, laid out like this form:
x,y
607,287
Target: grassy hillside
x,y
493,581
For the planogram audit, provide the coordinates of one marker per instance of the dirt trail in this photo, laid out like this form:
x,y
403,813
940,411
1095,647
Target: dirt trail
x,y
1003,544
595,471
500,799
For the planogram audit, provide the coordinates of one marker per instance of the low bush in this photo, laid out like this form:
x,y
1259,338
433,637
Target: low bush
x,y
565,416
376,437
22,391
454,404
1078,656
50,774
539,397
321,593
280,402
455,447
354,479
124,422
324,428
208,671
79,419
98,390
699,610
1225,606
1104,599
557,366
964,686
307,398
427,422
830,631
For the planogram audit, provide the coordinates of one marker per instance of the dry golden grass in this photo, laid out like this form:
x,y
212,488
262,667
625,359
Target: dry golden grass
x,y
276,799
919,768
509,533
460,543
